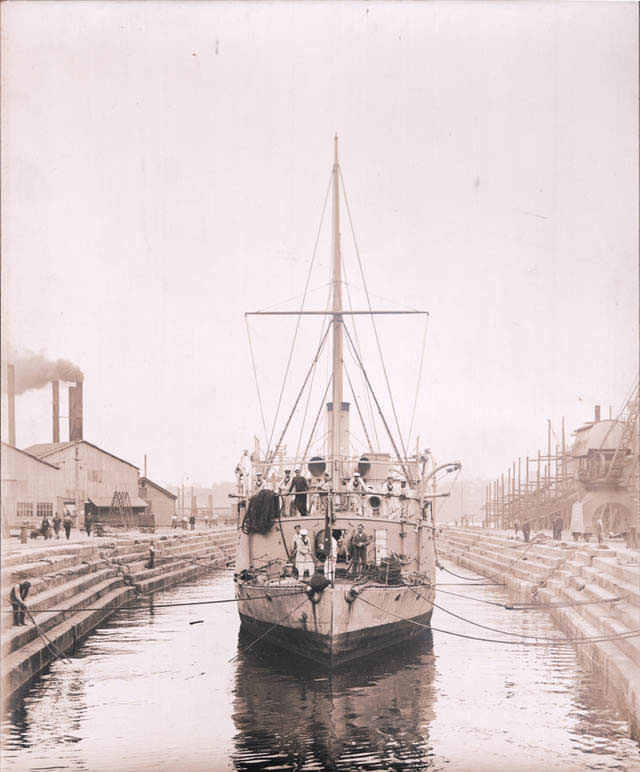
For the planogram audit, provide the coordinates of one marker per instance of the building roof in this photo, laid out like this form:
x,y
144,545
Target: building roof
x,y
43,449
147,481
105,502
592,436
6,445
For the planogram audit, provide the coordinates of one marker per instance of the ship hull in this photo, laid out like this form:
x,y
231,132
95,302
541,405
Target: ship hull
x,y
334,630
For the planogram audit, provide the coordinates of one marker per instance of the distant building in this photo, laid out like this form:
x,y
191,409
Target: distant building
x,y
162,503
29,487
91,474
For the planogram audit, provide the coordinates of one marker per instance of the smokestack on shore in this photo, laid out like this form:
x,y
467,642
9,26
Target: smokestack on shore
x,y
11,402
597,413
55,391
75,412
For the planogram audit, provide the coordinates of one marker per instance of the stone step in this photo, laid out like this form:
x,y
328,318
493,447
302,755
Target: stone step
x,y
14,638
612,566
23,664
614,585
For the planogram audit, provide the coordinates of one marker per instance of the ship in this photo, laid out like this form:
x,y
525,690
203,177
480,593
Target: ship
x,y
337,561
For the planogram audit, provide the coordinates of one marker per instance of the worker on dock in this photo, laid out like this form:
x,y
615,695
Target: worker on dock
x,y
68,524
57,522
304,555
526,530
17,597
283,491
45,528
358,550
174,521
516,527
88,522
301,486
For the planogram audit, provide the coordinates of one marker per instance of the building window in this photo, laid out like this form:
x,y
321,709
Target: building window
x,y
24,509
95,475
44,509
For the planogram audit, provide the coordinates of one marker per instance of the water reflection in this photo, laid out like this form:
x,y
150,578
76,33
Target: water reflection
x,y
371,714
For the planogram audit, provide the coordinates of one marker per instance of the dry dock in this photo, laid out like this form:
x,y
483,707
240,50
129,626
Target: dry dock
x,y
78,585
580,580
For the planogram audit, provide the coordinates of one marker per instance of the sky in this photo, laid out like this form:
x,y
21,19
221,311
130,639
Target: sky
x,y
164,170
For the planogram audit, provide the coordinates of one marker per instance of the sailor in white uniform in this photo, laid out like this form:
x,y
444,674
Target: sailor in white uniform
x,y
390,505
283,490
330,562
356,503
258,485
304,555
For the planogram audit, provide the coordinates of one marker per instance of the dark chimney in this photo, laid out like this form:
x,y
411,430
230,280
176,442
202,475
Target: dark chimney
x,y
55,391
11,402
597,413
75,412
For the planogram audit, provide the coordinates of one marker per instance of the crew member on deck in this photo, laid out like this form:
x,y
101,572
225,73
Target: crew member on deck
x,y
304,555
283,489
356,486
258,485
389,504
300,485
358,549
324,488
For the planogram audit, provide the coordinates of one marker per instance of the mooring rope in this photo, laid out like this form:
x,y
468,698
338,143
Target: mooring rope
x,y
567,642
57,653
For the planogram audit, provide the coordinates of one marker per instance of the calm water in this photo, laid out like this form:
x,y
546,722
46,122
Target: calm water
x,y
151,691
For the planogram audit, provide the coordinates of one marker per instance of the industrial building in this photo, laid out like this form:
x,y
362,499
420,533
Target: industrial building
x,y
161,502
29,486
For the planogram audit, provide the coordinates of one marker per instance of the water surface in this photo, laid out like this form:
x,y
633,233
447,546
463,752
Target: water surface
x,y
151,691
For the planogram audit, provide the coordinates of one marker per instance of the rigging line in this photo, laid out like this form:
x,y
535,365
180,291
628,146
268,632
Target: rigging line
x,y
355,399
567,642
268,630
295,334
415,401
403,464
315,424
382,297
486,627
57,653
293,410
373,321
491,576
306,407
293,297
255,375
131,607
359,347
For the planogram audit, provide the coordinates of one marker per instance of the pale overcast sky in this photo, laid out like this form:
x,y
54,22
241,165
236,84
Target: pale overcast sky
x,y
164,169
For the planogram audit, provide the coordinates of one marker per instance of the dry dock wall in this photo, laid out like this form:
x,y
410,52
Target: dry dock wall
x,y
568,572
76,587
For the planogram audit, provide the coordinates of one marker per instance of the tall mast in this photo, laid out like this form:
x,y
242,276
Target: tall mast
x,y
336,450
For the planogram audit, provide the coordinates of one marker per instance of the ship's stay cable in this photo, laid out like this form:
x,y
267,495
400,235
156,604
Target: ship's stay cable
x,y
359,347
319,413
373,321
295,334
355,399
306,407
403,464
302,388
415,400
567,642
255,375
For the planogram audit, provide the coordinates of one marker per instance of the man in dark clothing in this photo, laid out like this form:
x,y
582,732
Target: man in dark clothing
x,y
192,522
300,485
88,522
526,530
17,595
45,527
57,522
358,549
67,522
